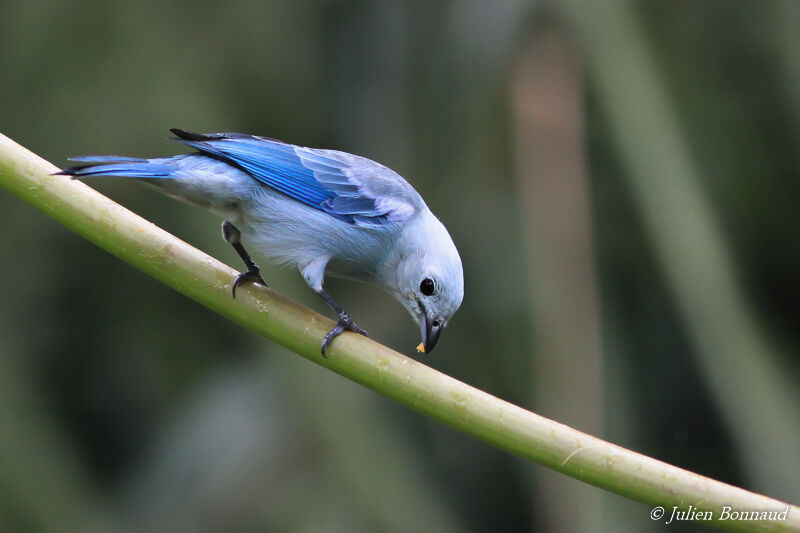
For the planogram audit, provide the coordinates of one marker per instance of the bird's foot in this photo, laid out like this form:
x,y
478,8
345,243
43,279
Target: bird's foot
x,y
253,276
345,323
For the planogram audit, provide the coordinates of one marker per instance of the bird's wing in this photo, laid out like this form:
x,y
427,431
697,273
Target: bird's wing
x,y
351,188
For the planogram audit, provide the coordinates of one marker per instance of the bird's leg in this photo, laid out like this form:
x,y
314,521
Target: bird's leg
x,y
345,323
232,235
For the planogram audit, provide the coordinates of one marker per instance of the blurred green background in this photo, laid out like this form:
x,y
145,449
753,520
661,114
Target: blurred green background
x,y
621,179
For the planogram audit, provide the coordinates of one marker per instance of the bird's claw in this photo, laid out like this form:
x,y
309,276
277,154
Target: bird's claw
x,y
345,323
253,276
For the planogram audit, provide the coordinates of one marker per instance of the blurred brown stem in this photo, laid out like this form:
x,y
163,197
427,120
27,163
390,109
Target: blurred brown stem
x,y
554,199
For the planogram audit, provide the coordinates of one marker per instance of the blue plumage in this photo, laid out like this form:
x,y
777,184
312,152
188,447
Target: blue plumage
x,y
270,162
321,211
320,179
122,168
323,179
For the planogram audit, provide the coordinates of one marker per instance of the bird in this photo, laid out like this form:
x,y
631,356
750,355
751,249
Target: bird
x,y
323,212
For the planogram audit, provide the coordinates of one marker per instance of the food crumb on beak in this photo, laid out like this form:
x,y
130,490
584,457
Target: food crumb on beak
x,y
421,348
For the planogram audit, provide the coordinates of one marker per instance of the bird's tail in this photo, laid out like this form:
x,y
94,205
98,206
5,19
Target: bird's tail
x,y
123,167
194,178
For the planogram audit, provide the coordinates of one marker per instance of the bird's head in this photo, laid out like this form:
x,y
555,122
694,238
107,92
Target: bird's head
x,y
429,278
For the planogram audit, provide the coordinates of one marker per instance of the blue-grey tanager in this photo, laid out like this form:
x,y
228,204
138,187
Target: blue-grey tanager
x,y
321,211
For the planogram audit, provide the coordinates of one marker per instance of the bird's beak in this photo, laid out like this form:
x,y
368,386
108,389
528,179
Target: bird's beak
x,y
430,334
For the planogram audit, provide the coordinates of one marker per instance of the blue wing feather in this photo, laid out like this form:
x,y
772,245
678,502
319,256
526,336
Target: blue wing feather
x,y
269,162
319,178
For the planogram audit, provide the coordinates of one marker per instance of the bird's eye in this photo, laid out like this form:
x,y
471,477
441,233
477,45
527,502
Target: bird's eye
x,y
427,286
436,323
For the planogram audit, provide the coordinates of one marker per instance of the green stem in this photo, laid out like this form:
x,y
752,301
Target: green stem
x,y
474,412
